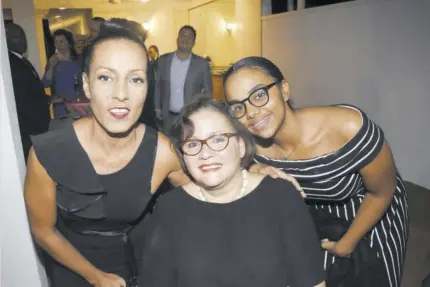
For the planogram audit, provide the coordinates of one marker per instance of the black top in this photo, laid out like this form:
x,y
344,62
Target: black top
x,y
266,238
94,211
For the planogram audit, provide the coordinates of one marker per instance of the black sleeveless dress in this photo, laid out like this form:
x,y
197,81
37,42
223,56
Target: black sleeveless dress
x,y
94,211
335,191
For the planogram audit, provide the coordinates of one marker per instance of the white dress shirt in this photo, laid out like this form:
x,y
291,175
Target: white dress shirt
x,y
178,74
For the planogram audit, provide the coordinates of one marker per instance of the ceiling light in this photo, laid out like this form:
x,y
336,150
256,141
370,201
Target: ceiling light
x,y
57,16
144,1
62,8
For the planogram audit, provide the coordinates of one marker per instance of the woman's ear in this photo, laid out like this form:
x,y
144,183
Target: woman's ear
x,y
285,90
86,85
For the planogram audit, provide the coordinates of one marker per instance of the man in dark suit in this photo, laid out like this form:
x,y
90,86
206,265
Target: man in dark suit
x,y
32,104
181,78
154,54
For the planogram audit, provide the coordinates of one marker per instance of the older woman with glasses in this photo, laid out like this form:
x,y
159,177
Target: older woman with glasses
x,y
227,227
343,163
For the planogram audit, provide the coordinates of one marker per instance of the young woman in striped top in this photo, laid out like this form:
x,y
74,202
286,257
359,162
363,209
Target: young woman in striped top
x,y
343,163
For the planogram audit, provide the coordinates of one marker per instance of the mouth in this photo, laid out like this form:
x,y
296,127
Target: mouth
x,y
119,113
260,124
210,167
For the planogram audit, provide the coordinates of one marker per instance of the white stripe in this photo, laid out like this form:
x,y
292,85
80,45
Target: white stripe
x,y
397,253
353,207
346,213
401,245
385,260
389,249
346,187
325,260
403,229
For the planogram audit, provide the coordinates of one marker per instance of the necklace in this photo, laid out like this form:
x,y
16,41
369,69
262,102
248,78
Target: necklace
x,y
242,189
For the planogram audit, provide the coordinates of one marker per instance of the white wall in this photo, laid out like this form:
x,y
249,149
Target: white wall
x,y
19,262
374,54
23,13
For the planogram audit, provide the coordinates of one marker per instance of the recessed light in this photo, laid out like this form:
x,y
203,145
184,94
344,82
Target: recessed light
x,y
144,1
57,16
62,8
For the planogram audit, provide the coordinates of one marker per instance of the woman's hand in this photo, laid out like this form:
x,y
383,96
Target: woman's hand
x,y
276,173
53,60
56,99
340,248
108,280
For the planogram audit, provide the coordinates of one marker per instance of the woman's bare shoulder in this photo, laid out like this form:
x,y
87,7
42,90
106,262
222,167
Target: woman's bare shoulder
x,y
341,121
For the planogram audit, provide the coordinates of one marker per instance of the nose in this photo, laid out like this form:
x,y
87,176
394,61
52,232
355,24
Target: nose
x,y
251,111
206,152
121,91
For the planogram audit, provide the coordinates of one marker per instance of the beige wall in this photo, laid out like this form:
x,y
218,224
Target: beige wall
x,y
166,17
248,34
213,39
164,22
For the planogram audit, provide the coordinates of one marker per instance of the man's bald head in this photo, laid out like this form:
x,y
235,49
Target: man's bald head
x,y
16,40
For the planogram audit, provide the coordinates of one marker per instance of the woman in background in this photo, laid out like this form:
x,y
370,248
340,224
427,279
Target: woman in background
x,y
62,72
227,227
344,164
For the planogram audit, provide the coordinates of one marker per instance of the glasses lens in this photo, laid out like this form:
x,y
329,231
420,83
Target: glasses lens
x,y
218,142
238,110
259,98
191,147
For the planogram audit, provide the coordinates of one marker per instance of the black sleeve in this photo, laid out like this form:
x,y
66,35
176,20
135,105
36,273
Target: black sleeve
x,y
304,255
158,266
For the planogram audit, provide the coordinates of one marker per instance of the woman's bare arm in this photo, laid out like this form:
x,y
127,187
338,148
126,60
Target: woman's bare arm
x,y
40,199
379,177
167,165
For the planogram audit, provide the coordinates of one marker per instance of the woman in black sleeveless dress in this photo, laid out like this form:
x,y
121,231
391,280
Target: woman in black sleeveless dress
x,y
343,163
88,182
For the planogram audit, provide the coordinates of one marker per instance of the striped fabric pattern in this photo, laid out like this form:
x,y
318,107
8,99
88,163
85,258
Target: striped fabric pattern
x,y
334,186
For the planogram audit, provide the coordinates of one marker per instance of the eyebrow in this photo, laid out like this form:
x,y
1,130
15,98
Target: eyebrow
x,y
256,88
113,71
106,68
210,135
253,90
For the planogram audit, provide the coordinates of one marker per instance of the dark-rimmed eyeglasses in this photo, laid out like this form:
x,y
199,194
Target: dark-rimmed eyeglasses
x,y
258,97
217,142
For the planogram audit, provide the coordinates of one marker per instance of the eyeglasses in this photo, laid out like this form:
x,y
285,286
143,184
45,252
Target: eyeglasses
x,y
258,98
216,142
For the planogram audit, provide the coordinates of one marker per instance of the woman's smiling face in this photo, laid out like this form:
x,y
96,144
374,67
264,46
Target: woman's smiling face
x,y
262,121
117,84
